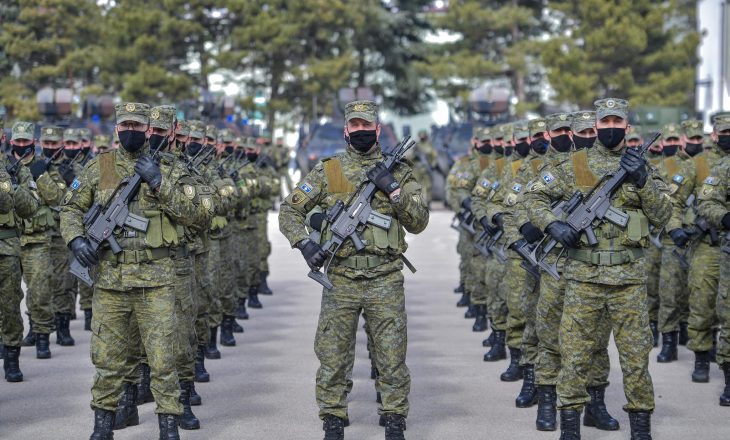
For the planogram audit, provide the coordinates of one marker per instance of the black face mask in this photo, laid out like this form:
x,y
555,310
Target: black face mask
x,y
539,146
485,149
362,140
508,151
723,141
193,148
562,143
132,140
583,142
49,152
252,156
611,137
523,149
499,150
156,140
228,150
693,149
71,154
23,151
670,150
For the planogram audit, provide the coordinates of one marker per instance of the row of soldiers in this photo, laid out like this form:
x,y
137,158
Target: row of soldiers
x,y
661,270
158,307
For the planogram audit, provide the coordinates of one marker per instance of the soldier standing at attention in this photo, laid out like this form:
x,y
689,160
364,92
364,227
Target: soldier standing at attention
x,y
369,281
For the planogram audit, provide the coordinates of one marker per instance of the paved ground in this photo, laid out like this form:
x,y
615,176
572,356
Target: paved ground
x,y
264,387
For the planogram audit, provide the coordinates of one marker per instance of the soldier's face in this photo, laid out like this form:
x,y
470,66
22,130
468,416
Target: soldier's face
x,y
588,132
633,143
51,145
715,135
612,121
21,142
357,124
131,125
559,132
71,145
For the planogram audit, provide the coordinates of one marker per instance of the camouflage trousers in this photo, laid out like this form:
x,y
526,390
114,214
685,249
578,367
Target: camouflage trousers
x,y
117,317
548,315
247,259
586,306
217,274
228,269
11,294
512,288
704,272
496,302
475,277
464,256
673,292
36,261
263,243
63,298
723,310
185,314
86,295
653,264
202,297
530,295
382,300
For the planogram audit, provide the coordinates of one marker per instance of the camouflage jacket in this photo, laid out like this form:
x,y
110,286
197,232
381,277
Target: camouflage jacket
x,y
38,228
456,173
680,174
715,193
492,169
16,204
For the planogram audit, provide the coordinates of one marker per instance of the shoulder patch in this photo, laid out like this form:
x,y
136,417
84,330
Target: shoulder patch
x,y
678,178
712,180
306,187
486,183
548,177
517,187
495,185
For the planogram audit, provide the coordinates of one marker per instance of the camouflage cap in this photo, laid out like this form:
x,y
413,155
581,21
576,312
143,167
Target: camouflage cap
x,y
182,128
557,121
720,114
671,131
71,134
520,129
52,133
721,121
486,134
634,133
197,129
612,107
497,132
132,111
692,128
103,141
85,134
23,130
367,110
507,132
226,135
162,116
211,132
537,125
582,120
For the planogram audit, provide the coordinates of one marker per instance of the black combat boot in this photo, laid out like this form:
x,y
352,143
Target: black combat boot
x,y
42,346
373,372
29,339
195,399
480,324
547,401
465,300
498,351
683,334
514,371
241,312
237,328
528,393
489,341
253,299
187,419
227,339
597,415
701,373
640,425
669,348
654,326
459,288
725,396
569,424
334,428
87,319
168,426
11,364
395,424
713,350
63,332
127,414
103,425
264,285
211,350
201,374
471,312
144,392
2,351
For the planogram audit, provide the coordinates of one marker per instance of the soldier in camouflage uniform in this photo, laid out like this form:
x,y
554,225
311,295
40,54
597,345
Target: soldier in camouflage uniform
x,y
269,190
18,201
608,278
423,156
370,280
678,170
140,280
714,205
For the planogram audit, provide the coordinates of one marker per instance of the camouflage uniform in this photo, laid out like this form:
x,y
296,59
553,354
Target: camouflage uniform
x,y
423,157
463,248
617,288
653,256
269,187
138,283
369,281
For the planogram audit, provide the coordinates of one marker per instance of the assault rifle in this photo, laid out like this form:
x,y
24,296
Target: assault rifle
x,y
101,222
464,221
584,212
345,221
486,243
725,247
14,165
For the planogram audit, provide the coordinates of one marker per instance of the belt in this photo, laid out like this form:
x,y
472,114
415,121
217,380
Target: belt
x,y
180,252
8,233
606,258
135,257
363,261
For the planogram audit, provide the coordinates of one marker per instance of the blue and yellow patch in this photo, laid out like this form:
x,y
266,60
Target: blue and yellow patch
x,y
678,178
517,187
548,177
712,180
486,183
75,184
304,186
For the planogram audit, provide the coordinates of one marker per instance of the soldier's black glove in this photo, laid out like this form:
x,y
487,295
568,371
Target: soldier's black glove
x,y
563,234
635,165
83,252
382,178
67,173
38,167
149,171
498,220
234,175
488,226
531,233
726,220
313,253
466,203
316,220
679,237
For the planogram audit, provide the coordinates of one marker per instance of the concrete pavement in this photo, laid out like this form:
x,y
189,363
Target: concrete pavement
x,y
264,387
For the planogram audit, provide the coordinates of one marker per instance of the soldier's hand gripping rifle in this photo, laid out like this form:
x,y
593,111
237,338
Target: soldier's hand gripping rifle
x,y
101,222
14,166
345,221
584,212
